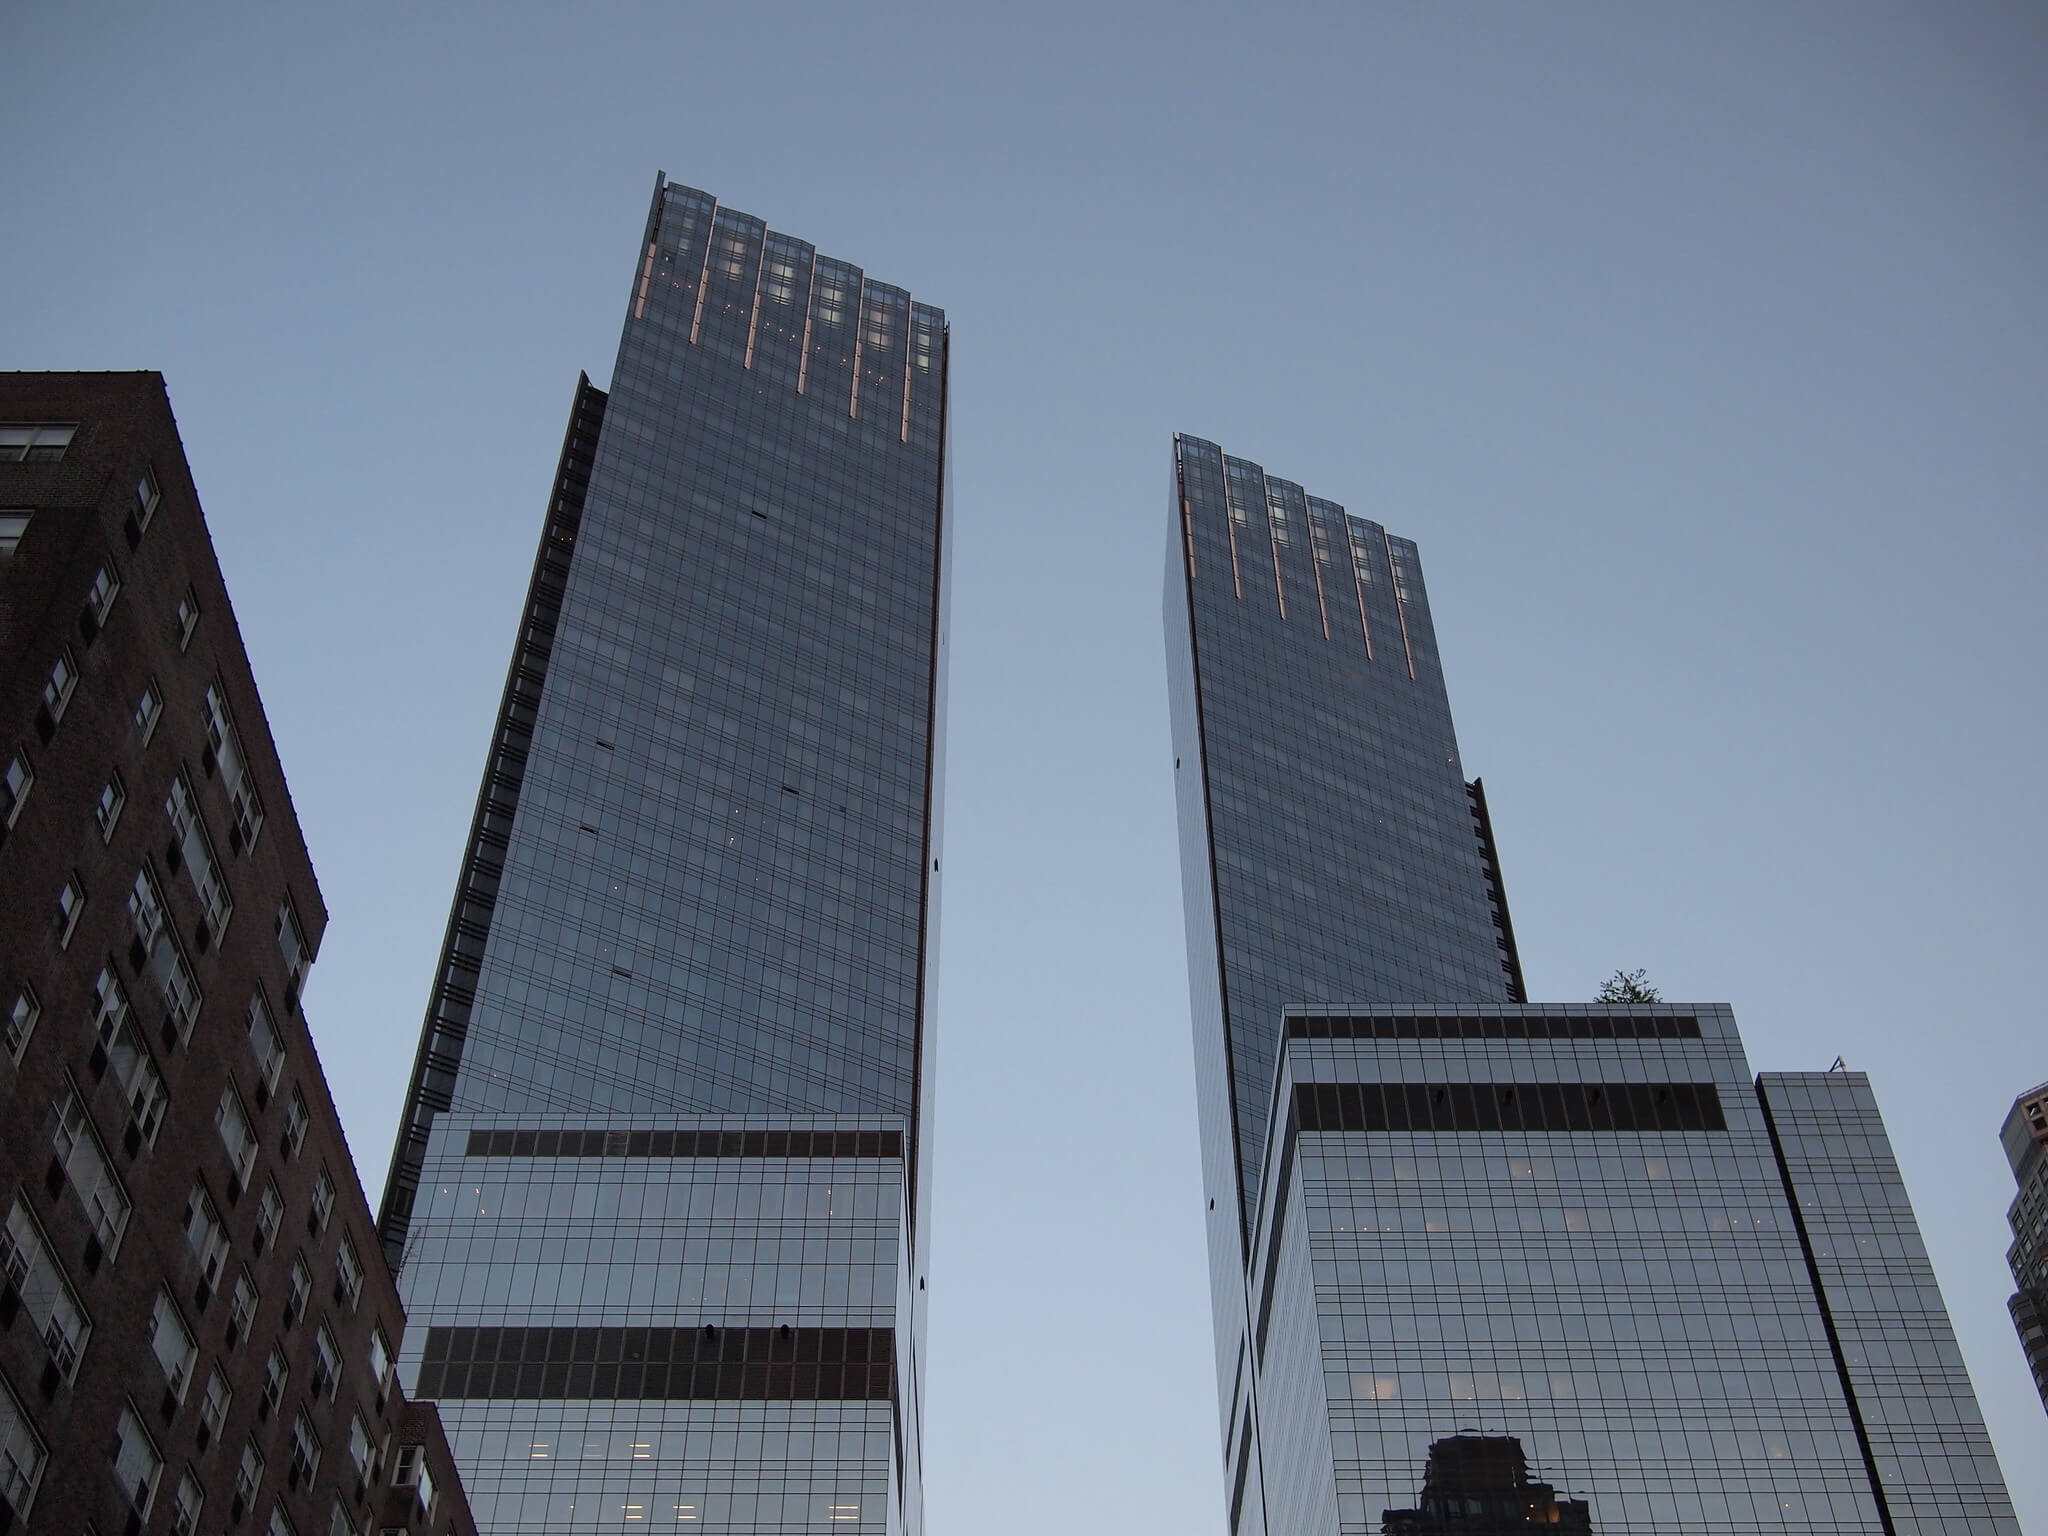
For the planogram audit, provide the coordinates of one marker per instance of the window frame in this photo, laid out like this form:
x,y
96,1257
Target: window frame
x,y
62,687
112,802
16,783
20,1025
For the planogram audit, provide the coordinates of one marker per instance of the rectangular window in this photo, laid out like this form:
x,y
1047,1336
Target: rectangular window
x,y
348,1275
188,617
145,911
46,1296
248,1475
14,523
37,442
20,1022
236,1134
326,1365
15,783
172,1344
280,1523
21,1454
226,747
323,1204
338,1523
205,1236
380,1360
305,1452
99,600
242,1309
298,1290
165,959
291,944
269,1215
275,1374
269,1049
62,684
142,1086
296,1119
113,799
147,495
362,1449
213,1408
70,906
136,1462
89,1171
185,1508
148,710
196,854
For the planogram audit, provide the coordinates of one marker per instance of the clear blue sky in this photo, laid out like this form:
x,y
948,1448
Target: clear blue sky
x,y
1703,349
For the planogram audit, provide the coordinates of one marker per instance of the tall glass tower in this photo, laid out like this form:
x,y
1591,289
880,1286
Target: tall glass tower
x,y
1563,1266
659,1193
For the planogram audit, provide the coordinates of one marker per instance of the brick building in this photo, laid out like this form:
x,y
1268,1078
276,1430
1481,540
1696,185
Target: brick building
x,y
197,1327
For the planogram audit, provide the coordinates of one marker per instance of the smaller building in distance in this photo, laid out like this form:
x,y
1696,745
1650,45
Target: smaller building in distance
x,y
1478,1485
197,1328
2025,1135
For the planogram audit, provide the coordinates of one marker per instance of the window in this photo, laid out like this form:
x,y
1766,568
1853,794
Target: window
x,y
269,1214
145,911
232,1121
188,617
206,1237
275,1374
242,1309
148,710
326,1365
305,1452
36,442
213,1408
46,1296
300,1287
362,1450
248,1477
172,1343
185,1507
99,600
21,1454
338,1523
165,960
348,1275
296,1119
15,784
13,524
280,1524
108,812
70,904
147,495
85,1165
142,1086
109,1007
269,1049
21,1021
62,684
188,833
413,1473
291,943
380,1362
136,1462
225,746
323,1204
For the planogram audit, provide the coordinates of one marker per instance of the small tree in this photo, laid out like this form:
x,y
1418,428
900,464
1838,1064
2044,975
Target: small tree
x,y
1628,987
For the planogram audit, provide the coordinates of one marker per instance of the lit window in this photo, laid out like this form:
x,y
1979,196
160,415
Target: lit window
x,y
21,1021
241,1309
70,903
213,1408
15,783
188,617
225,748
188,832
147,495
300,1287
269,1213
236,1135
62,684
111,802
323,1204
348,1275
13,524
35,442
185,1507
46,1296
326,1365
205,1236
136,1462
172,1344
275,1374
21,1455
269,1049
90,1172
305,1453
148,710
106,586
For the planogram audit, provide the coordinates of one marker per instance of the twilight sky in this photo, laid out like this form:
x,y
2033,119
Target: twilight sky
x,y
1704,350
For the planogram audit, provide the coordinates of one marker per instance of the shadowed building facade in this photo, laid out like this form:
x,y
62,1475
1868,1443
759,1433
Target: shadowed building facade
x,y
659,1192
1442,1219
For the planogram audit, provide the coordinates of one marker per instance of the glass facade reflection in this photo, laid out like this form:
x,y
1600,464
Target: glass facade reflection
x,y
664,1139
1572,1264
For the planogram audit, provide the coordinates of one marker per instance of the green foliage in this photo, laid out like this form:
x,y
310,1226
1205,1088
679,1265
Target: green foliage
x,y
1628,987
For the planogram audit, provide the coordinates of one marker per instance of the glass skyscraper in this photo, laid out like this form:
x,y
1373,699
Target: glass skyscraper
x,y
660,1189
1560,1266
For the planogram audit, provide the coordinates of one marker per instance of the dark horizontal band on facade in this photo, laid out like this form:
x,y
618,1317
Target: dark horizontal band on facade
x,y
685,1144
804,1365
1508,1107
1352,1027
